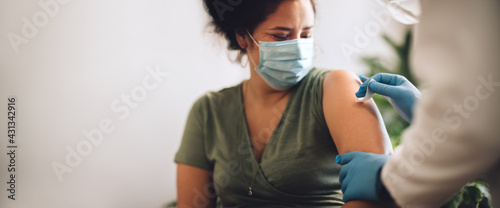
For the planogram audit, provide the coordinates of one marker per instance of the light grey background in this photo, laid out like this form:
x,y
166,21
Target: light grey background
x,y
68,75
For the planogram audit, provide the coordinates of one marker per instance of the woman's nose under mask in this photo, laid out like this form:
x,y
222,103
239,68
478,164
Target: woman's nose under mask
x,y
283,64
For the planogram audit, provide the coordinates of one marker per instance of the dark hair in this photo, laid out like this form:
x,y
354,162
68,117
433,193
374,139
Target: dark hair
x,y
229,16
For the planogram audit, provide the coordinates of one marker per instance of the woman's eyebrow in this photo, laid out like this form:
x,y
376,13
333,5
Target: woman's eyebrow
x,y
290,29
281,28
308,27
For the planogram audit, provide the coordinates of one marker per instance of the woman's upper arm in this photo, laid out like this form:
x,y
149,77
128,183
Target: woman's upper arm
x,y
353,126
194,187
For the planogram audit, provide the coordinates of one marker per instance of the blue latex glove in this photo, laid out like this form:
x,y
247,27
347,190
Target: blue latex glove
x,y
400,92
360,176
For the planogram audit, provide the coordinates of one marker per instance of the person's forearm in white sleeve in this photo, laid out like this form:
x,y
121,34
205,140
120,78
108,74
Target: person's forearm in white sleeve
x,y
454,136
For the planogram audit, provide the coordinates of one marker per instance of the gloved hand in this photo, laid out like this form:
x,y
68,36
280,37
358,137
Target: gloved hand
x,y
360,176
400,92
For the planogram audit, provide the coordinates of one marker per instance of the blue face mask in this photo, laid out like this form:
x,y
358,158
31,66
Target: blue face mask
x,y
283,64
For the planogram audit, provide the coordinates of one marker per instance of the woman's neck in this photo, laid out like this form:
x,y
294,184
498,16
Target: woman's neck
x,y
259,92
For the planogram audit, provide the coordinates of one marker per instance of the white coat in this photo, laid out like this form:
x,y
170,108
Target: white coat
x,y
455,134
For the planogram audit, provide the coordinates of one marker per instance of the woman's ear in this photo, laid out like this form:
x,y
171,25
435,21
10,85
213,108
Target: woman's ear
x,y
241,38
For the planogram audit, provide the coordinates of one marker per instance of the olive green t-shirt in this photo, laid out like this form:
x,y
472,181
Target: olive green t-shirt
x,y
297,167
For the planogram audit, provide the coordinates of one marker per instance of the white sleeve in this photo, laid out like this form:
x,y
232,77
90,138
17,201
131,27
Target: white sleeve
x,y
454,137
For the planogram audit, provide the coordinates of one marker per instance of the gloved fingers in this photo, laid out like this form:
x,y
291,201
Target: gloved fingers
x,y
384,89
348,196
343,173
343,186
362,88
344,197
390,79
361,92
363,78
346,157
345,183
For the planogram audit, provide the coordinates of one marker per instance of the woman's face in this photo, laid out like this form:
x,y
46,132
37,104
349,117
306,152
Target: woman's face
x,y
292,20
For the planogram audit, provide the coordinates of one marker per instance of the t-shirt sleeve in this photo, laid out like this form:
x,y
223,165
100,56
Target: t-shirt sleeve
x,y
317,93
192,148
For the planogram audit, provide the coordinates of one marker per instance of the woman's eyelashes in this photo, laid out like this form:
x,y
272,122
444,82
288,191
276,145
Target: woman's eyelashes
x,y
306,36
281,37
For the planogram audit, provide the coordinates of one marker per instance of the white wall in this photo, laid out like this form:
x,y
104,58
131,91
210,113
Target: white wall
x,y
88,54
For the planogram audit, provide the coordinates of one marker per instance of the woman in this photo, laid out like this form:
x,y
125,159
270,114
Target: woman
x,y
272,140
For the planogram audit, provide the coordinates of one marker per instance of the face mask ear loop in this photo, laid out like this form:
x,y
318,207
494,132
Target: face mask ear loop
x,y
251,59
252,38
250,56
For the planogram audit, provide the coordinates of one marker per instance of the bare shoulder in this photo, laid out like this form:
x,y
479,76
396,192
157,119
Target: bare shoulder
x,y
350,122
340,83
341,75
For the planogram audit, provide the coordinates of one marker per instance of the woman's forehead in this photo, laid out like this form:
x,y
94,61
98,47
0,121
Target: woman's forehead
x,y
291,14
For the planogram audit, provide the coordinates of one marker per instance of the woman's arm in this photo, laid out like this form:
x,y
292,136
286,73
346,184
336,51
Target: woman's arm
x,y
194,187
353,126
